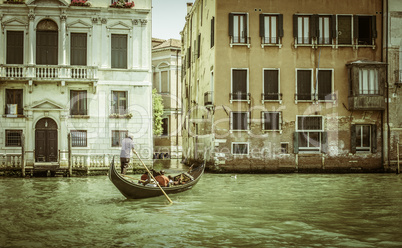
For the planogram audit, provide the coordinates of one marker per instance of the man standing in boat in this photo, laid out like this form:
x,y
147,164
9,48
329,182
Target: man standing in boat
x,y
127,145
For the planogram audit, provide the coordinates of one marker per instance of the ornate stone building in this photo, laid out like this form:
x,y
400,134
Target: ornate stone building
x,y
83,71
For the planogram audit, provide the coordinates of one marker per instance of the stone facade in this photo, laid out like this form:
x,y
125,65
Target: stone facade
x,y
83,71
285,85
166,66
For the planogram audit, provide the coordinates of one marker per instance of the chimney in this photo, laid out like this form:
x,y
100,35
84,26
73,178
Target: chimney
x,y
189,7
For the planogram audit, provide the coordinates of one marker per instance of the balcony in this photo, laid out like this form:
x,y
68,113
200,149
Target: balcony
x,y
208,98
48,73
366,102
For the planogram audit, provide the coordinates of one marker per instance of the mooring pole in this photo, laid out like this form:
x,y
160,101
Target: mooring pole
x,y
23,154
397,152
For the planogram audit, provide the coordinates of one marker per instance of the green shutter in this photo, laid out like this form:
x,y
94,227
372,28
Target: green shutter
x,y
295,142
353,139
355,27
334,32
280,25
230,24
374,138
262,25
295,19
373,26
324,142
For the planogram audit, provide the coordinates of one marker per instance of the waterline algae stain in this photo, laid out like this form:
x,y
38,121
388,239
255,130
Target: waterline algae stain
x,y
291,210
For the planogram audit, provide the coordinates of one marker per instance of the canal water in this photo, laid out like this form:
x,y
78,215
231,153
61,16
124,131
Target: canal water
x,y
284,210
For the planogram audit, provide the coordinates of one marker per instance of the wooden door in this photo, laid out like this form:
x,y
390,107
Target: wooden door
x,y
46,148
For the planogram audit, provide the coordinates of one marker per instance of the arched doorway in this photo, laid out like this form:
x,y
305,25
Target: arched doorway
x,y
47,43
46,140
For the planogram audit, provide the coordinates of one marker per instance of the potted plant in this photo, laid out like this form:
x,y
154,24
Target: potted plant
x,y
122,4
84,3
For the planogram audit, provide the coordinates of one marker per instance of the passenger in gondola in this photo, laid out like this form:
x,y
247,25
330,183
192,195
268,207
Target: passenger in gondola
x,y
144,179
162,179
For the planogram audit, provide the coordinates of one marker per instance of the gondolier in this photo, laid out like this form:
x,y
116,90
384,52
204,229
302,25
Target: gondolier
x,y
127,145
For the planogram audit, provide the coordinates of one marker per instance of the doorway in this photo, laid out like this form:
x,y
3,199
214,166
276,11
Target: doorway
x,y
46,148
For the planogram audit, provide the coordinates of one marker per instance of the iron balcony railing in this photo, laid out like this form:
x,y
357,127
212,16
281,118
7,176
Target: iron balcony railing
x,y
48,72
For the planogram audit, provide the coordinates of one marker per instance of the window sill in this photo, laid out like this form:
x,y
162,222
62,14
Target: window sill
x,y
237,154
127,116
80,116
80,148
240,44
270,101
271,45
271,131
14,116
236,100
304,101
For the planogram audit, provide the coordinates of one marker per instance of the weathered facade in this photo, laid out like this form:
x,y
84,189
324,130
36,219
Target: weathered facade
x,y
83,71
394,86
166,66
294,85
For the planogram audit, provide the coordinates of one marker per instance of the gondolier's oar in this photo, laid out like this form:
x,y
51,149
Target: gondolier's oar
x,y
167,197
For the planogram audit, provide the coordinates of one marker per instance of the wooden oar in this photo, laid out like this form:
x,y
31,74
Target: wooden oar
x,y
167,197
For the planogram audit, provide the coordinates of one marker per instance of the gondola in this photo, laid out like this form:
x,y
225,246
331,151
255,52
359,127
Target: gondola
x,y
131,189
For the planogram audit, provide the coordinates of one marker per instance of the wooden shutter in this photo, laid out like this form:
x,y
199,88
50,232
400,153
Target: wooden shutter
x,y
324,83
314,26
355,27
353,139
280,25
271,85
212,31
334,32
199,46
119,51
47,47
15,47
262,25
295,142
240,83
324,142
78,55
304,85
295,20
374,138
374,26
230,24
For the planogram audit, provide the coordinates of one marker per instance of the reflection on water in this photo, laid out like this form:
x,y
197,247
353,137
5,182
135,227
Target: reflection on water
x,y
290,210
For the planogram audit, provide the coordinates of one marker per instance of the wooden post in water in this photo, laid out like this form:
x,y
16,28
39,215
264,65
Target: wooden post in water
x,y
70,164
397,153
23,154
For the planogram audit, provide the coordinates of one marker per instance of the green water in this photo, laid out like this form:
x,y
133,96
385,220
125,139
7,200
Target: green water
x,y
291,210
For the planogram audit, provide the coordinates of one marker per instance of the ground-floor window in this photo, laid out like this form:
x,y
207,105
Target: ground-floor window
x,y
239,148
239,121
363,138
118,136
13,138
271,121
78,138
309,135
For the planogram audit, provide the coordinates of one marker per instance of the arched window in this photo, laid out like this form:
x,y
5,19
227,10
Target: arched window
x,y
47,43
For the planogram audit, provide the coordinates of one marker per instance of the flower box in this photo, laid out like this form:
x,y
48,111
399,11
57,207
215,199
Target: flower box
x,y
82,3
122,4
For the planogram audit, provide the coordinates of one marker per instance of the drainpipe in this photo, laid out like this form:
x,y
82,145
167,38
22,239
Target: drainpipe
x,y
386,76
177,103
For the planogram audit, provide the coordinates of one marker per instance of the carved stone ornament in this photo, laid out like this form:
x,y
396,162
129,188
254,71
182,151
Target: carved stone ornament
x,y
94,20
63,17
135,22
31,16
104,21
144,22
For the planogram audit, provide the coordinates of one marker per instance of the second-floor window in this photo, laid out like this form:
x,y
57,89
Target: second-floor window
x,y
47,43
271,85
271,28
119,102
14,102
271,121
15,47
238,28
78,54
304,85
324,30
78,102
302,29
119,51
324,85
239,84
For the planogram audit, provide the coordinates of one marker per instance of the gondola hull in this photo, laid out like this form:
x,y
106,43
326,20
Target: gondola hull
x,y
132,190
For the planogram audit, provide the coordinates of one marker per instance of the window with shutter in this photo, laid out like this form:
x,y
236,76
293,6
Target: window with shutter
x,y
271,121
325,85
119,51
304,85
213,32
271,85
363,138
240,148
78,53
238,28
15,47
270,26
324,30
303,30
239,121
344,29
365,29
239,84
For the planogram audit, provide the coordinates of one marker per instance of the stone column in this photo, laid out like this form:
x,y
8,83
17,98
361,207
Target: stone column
x,y
136,44
31,37
63,39
2,41
105,45
145,55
